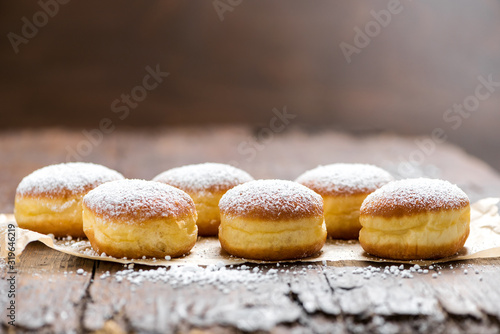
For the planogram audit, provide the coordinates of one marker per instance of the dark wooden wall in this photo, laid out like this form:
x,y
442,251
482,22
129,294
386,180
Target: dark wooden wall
x,y
264,54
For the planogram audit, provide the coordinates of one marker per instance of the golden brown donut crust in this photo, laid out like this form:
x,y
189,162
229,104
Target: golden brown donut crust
x,y
343,188
271,200
49,200
65,180
260,239
272,220
342,215
344,179
138,200
58,216
414,196
206,183
207,207
416,252
207,177
430,219
137,218
256,253
156,238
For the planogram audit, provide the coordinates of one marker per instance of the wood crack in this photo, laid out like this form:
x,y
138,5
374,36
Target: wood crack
x,y
87,298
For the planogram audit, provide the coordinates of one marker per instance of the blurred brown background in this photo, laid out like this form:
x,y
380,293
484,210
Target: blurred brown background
x,y
262,55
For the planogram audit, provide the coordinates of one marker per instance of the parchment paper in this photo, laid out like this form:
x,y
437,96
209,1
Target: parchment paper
x,y
483,242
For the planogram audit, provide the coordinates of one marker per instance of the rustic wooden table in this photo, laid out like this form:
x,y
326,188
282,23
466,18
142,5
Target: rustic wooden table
x,y
301,298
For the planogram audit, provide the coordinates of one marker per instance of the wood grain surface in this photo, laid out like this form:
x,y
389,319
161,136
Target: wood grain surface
x,y
298,298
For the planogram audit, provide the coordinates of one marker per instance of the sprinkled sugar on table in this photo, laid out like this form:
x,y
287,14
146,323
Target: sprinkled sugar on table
x,y
56,292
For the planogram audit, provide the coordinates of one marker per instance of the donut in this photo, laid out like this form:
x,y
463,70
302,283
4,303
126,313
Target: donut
x,y
138,218
49,200
415,219
205,183
271,220
344,188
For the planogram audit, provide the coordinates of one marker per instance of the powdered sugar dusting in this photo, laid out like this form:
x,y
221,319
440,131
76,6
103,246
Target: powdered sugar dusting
x,y
345,179
204,177
414,196
272,199
67,178
216,275
138,199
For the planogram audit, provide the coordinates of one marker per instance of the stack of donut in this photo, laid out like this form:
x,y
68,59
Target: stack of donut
x,y
254,219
